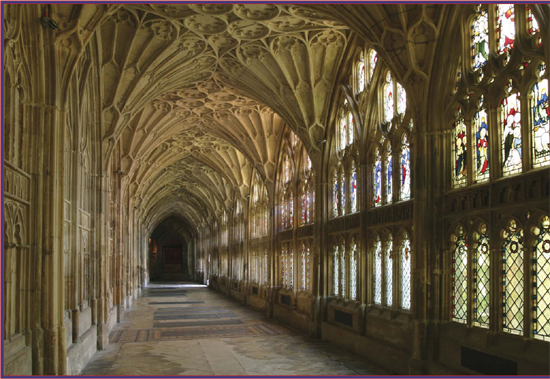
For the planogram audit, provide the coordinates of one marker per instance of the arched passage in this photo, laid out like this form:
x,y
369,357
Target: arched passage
x,y
171,251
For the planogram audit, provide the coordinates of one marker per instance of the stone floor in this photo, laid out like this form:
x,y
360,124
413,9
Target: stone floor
x,y
186,329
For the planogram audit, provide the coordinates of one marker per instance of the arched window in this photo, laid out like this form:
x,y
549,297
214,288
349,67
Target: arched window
x,y
377,178
335,194
388,277
460,147
481,276
525,81
305,263
460,277
405,272
401,100
373,58
342,270
353,189
510,126
480,39
284,269
482,143
389,101
342,180
541,281
405,169
505,27
389,174
335,271
540,126
513,281
377,270
361,79
353,271
265,266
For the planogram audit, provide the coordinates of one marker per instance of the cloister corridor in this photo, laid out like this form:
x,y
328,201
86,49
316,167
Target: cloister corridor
x,y
186,329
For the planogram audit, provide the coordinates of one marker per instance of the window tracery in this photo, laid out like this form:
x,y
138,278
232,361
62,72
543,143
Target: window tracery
x,y
460,277
405,276
481,276
513,281
503,117
541,281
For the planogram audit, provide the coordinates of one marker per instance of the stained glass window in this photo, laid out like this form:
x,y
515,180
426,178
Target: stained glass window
x,y
513,287
480,40
283,213
291,267
510,122
265,266
389,176
308,267
481,275
304,204
388,99
481,128
540,120
389,271
303,261
460,278
458,78
541,285
532,24
287,170
291,211
342,192
377,179
405,168
361,73
406,273
401,99
353,189
373,58
353,271
459,151
335,194
505,27
378,271
351,128
343,132
283,266
342,270
335,271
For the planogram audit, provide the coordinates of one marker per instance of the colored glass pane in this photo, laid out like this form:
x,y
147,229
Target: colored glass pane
x,y
377,179
335,195
353,272
353,190
335,271
405,169
389,272
373,58
481,128
459,151
401,99
351,126
540,115
480,40
510,123
389,175
361,74
532,24
505,27
406,273
342,271
388,99
342,193
343,132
